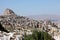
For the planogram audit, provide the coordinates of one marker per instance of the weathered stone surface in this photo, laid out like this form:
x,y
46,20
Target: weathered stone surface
x,y
8,12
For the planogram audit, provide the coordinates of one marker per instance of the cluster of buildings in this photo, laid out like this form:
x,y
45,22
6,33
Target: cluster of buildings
x,y
16,35
11,21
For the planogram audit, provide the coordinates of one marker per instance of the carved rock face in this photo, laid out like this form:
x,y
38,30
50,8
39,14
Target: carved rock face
x,y
8,12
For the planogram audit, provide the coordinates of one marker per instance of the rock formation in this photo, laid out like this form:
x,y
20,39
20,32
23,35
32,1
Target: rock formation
x,y
11,21
8,12
3,29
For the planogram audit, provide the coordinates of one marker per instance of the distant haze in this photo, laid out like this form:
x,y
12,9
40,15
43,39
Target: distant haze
x,y
54,18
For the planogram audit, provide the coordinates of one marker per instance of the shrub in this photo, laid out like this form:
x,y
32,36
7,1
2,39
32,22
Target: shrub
x,y
38,36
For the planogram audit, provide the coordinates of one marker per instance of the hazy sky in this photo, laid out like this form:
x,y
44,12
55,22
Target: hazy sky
x,y
31,7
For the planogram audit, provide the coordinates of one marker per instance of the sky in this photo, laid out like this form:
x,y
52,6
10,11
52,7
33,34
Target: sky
x,y
31,7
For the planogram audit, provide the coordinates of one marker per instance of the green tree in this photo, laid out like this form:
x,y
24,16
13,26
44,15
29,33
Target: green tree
x,y
38,36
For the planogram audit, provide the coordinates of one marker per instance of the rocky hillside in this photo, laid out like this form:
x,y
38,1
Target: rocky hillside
x,y
11,21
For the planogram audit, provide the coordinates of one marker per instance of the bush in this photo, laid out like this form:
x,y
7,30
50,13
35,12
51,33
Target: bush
x,y
38,36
